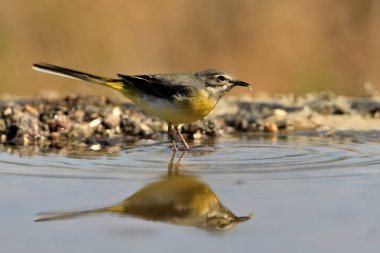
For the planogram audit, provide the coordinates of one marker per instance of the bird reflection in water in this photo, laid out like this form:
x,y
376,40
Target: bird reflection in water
x,y
177,199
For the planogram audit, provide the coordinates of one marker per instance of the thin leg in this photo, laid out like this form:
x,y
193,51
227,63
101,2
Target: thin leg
x,y
182,157
173,168
182,139
174,146
171,136
170,131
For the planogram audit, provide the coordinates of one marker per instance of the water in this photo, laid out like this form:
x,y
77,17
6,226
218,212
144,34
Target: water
x,y
307,194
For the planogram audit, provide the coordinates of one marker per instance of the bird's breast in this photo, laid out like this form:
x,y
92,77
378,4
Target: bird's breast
x,y
196,107
179,110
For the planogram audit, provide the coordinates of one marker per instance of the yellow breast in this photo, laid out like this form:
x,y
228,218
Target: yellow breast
x,y
196,107
181,110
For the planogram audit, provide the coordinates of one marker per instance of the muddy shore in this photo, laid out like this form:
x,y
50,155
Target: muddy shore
x,y
81,120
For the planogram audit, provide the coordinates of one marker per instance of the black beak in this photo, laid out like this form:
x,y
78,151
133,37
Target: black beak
x,y
244,218
240,83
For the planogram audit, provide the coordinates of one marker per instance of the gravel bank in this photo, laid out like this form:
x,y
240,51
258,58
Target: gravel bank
x,y
86,120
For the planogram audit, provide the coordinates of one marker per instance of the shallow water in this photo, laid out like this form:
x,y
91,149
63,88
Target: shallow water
x,y
308,194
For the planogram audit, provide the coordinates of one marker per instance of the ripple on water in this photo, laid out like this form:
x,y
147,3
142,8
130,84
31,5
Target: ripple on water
x,y
256,159
286,159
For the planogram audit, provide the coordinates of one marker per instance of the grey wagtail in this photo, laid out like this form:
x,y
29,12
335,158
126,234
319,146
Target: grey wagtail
x,y
175,97
180,200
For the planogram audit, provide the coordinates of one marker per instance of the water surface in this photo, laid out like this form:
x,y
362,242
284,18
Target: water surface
x,y
307,193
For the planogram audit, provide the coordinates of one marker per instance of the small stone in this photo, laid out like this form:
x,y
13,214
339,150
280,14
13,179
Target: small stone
x,y
3,126
109,134
270,127
111,121
198,135
32,110
81,130
96,122
63,122
55,135
146,129
117,130
116,111
25,139
96,147
7,111
280,113
79,115
3,138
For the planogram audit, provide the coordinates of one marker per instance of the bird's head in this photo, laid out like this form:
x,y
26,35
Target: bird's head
x,y
218,82
222,219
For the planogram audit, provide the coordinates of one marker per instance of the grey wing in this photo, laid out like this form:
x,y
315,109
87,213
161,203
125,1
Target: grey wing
x,y
161,86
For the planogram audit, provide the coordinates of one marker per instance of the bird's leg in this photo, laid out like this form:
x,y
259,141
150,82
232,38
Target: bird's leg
x,y
174,146
173,168
182,139
171,135
182,157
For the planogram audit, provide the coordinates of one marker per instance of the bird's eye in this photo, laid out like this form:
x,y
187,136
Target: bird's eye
x,y
221,78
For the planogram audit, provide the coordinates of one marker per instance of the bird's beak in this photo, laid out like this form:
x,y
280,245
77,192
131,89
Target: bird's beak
x,y
244,218
240,83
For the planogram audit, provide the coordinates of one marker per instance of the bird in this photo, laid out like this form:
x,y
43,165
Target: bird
x,y
177,98
177,199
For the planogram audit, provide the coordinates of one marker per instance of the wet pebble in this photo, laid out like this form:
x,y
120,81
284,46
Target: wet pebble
x,y
3,126
270,127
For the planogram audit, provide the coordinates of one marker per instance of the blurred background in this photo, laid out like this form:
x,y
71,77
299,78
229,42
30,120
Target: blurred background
x,y
292,46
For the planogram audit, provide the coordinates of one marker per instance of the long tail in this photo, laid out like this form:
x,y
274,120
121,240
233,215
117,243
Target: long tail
x,y
67,215
116,84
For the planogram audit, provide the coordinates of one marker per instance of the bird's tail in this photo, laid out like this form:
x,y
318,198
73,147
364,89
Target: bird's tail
x,y
117,84
67,215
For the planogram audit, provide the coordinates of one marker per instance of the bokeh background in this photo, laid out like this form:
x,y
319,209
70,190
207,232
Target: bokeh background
x,y
292,46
